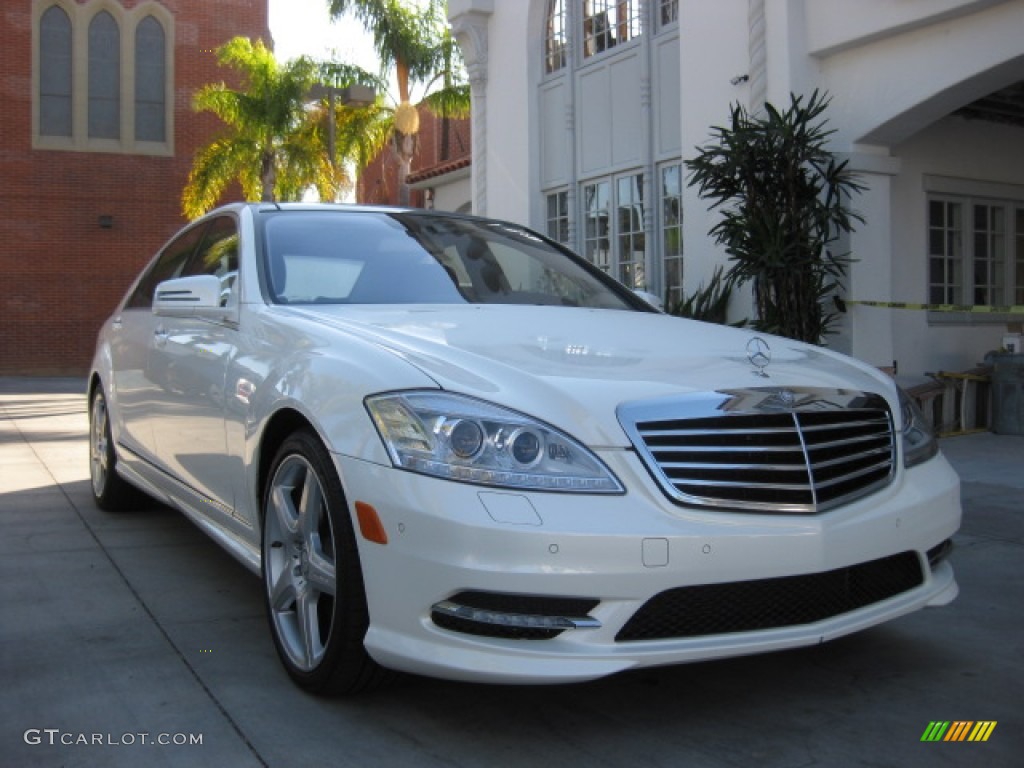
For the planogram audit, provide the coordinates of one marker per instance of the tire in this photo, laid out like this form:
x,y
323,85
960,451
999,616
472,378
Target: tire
x,y
110,491
312,579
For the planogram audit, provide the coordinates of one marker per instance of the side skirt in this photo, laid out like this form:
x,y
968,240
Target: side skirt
x,y
196,507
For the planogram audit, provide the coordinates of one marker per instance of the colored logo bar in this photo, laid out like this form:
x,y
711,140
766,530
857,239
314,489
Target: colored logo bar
x,y
959,730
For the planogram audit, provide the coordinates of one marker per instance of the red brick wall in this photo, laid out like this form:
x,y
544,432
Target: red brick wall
x,y
61,273
378,183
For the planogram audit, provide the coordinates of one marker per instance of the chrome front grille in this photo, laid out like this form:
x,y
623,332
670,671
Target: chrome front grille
x,y
765,450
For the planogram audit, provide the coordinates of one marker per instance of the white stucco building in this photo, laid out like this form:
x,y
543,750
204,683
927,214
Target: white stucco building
x,y
585,110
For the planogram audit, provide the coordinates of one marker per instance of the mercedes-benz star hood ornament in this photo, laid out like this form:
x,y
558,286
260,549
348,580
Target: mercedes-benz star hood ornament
x,y
759,354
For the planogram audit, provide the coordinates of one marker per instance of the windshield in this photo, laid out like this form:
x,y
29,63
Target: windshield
x,y
348,257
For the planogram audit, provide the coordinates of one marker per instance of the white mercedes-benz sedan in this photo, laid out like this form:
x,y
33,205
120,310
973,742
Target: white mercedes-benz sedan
x,y
451,447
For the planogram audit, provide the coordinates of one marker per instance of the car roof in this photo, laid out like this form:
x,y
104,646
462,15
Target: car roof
x,y
334,207
260,208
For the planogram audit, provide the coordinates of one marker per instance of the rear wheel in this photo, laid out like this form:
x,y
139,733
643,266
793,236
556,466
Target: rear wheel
x,y
109,490
312,578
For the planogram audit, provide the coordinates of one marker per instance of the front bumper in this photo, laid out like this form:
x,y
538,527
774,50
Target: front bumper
x,y
447,538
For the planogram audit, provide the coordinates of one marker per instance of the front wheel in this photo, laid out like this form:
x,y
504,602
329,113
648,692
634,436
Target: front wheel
x,y
313,584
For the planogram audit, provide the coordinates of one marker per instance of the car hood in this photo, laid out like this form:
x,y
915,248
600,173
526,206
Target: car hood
x,y
573,367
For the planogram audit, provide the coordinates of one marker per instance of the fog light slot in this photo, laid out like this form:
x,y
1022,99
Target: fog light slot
x,y
519,617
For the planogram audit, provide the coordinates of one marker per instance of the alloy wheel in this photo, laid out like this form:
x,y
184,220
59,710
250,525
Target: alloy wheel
x,y
301,563
99,445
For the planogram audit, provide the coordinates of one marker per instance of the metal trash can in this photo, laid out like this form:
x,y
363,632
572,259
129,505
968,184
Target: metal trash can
x,y
1007,394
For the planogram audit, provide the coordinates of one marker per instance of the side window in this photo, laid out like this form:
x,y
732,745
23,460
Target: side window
x,y
218,256
169,265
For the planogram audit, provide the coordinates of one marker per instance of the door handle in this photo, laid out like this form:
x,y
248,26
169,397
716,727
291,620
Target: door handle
x,y
160,335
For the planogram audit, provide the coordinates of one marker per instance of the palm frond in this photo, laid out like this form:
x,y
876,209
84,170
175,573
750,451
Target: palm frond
x,y
413,40
450,102
214,168
361,134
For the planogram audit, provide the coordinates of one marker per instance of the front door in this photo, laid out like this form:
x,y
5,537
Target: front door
x,y
191,357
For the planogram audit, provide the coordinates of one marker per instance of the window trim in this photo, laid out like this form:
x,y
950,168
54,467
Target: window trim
x,y
140,296
969,193
127,21
220,228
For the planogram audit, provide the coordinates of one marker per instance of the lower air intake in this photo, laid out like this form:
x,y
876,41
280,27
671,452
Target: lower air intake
x,y
747,606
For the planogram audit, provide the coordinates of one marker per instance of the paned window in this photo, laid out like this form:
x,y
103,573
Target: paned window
x,y
672,233
607,23
628,224
596,210
668,12
556,38
945,252
989,253
616,244
629,196
558,217
975,251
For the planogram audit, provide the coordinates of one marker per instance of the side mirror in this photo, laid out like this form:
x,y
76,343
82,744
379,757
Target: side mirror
x,y
197,295
651,299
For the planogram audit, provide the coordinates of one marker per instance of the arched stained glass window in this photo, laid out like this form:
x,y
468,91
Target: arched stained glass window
x,y
104,77
55,106
150,81
557,39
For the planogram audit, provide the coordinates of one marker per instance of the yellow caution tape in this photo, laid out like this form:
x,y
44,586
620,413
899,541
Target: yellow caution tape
x,y
978,309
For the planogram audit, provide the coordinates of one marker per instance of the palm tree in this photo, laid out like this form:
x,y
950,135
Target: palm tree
x,y
412,39
274,146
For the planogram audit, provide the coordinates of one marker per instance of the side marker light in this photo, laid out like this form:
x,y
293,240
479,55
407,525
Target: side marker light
x,y
370,524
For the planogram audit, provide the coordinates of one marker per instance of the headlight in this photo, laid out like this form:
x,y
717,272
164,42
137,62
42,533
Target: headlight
x,y
919,443
472,441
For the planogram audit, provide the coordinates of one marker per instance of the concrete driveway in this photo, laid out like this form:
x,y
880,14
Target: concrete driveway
x,y
131,639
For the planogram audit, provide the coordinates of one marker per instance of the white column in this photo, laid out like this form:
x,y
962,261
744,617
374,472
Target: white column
x,y
870,275
470,20
758,51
